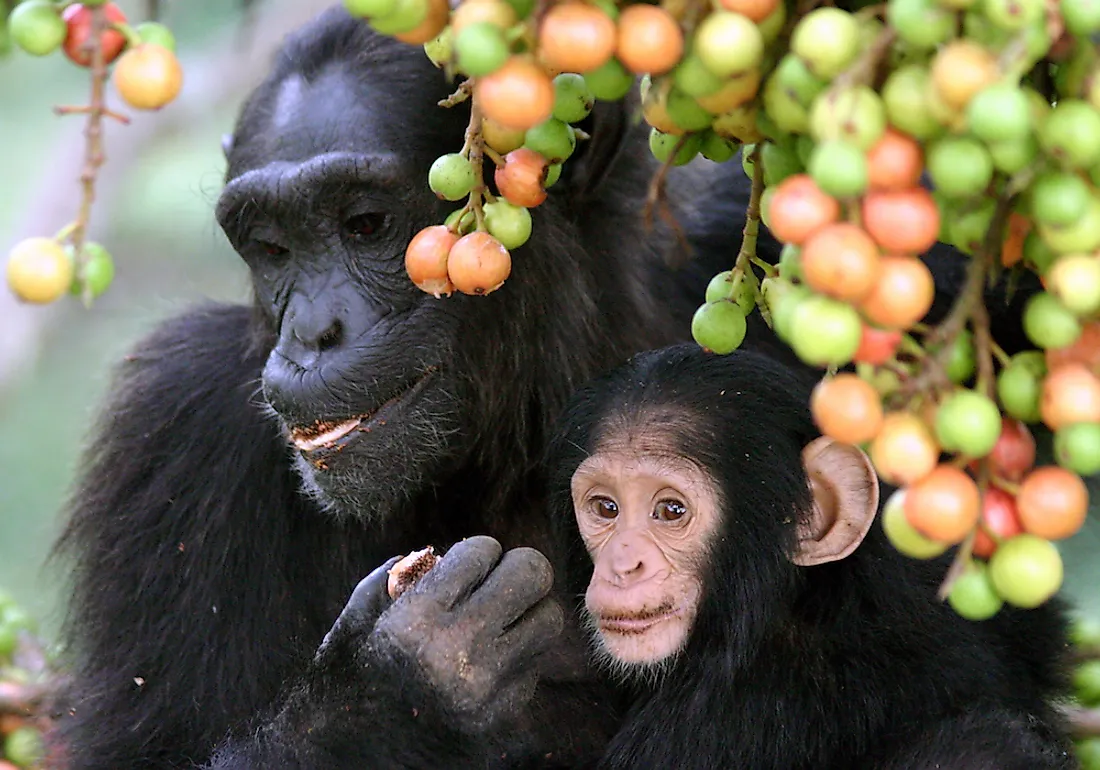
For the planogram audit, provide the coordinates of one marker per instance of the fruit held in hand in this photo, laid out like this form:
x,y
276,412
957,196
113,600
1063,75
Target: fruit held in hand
x,y
404,574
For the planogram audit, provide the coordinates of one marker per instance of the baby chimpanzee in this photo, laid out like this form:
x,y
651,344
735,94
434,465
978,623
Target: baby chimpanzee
x,y
736,581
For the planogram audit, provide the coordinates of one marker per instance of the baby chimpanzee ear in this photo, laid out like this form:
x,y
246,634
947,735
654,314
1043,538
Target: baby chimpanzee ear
x,y
845,500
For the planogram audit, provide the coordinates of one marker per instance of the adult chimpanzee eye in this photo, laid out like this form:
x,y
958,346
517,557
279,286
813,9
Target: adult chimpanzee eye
x,y
669,510
606,508
364,225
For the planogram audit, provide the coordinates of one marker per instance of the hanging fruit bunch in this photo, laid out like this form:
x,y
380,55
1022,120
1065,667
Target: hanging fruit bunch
x,y
141,64
870,133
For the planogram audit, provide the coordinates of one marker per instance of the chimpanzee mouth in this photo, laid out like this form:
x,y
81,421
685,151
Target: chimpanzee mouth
x,y
636,623
338,434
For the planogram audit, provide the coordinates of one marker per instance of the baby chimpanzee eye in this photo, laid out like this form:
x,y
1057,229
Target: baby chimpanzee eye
x,y
669,510
606,508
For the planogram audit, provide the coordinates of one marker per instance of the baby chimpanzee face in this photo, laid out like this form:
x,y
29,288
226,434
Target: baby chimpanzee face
x,y
647,517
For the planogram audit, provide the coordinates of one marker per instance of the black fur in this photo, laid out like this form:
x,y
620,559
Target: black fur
x,y
206,573
848,665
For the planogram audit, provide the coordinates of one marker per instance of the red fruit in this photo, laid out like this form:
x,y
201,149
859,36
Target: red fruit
x,y
877,346
521,177
78,18
1014,453
999,518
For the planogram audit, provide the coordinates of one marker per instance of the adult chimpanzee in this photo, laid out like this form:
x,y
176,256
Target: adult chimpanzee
x,y
740,584
254,463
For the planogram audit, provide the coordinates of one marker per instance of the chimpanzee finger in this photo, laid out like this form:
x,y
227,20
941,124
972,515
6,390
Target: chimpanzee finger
x,y
532,634
366,603
459,572
523,577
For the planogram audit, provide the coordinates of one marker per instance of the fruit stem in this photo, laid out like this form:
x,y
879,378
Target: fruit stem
x,y
462,93
87,110
1002,357
474,148
133,39
747,253
655,196
862,71
770,271
94,155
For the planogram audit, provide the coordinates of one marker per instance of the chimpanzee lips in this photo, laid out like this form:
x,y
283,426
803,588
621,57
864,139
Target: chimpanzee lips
x,y
635,623
328,434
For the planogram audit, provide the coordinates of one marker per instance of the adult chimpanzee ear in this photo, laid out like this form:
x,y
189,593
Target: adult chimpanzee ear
x,y
845,500
607,126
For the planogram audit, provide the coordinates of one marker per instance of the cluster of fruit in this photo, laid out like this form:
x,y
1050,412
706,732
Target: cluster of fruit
x,y
23,675
849,112
146,76
1085,635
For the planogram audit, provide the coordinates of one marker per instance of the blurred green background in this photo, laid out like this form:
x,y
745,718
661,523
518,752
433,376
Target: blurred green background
x,y
154,212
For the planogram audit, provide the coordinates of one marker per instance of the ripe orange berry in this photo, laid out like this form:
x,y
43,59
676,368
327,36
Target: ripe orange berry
x,y
876,346
521,177
148,77
904,450
1052,502
902,221
757,10
961,69
798,208
478,264
738,90
576,37
519,95
945,505
426,259
902,295
1085,350
894,162
439,15
842,261
846,408
1071,394
649,39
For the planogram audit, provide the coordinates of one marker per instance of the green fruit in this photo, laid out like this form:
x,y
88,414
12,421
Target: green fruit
x,y
99,271
9,637
779,162
610,82
901,533
973,595
694,79
959,167
573,98
921,24
156,34
1058,198
1071,134
552,139
467,223
451,177
839,169
1037,254
509,224
729,44
1075,282
788,115
1081,17
23,747
36,27
968,228
1085,631
773,24
782,299
1077,448
1019,385
825,332
553,173
1088,752
905,95
440,49
719,326
790,262
827,40
1048,324
481,49
719,288
1082,235
855,115
662,146
17,617
523,8
717,148
686,112
1086,683
797,80
962,358
1026,570
405,16
1012,14
1014,155
969,423
999,113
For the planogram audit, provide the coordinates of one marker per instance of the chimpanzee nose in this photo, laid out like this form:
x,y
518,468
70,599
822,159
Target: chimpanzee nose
x,y
308,331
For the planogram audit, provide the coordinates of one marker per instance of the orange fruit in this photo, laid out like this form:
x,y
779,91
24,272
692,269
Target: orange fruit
x,y
649,39
1052,502
902,221
902,295
478,264
576,37
841,260
944,505
846,408
519,95
798,208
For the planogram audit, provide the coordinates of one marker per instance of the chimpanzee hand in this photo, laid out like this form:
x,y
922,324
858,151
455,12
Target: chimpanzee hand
x,y
470,629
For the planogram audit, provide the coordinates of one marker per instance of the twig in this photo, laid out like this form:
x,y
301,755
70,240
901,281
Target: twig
x,y
747,253
655,197
473,147
462,93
